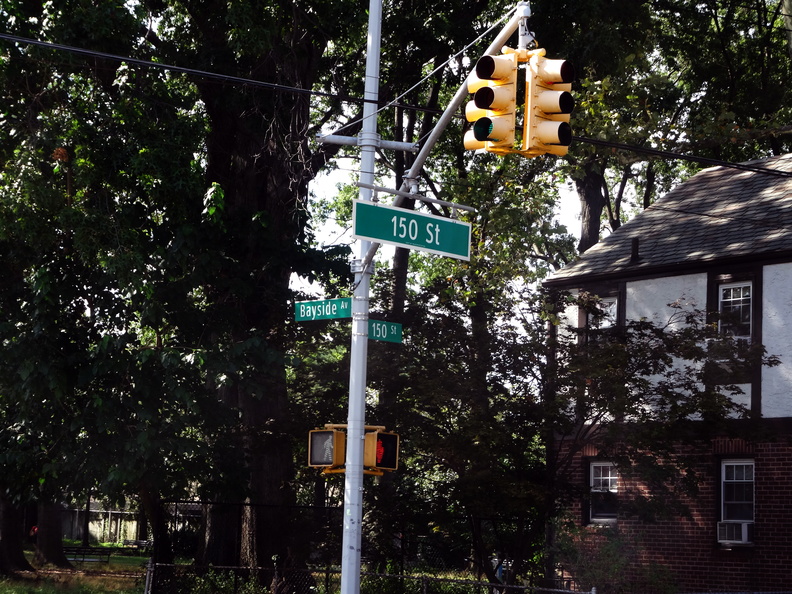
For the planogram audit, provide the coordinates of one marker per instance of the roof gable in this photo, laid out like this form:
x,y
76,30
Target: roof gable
x,y
719,214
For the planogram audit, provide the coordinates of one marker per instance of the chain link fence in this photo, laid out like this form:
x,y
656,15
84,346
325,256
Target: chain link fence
x,y
188,579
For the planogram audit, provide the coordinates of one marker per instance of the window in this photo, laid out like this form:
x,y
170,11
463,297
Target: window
x,y
737,502
734,305
738,491
735,299
607,315
604,483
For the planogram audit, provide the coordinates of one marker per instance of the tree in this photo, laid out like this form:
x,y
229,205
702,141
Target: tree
x,y
157,271
699,79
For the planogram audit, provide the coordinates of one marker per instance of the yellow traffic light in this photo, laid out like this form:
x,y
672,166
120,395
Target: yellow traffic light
x,y
493,108
381,450
548,103
326,448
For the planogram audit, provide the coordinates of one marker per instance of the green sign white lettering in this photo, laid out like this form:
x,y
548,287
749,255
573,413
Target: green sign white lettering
x,y
323,309
410,229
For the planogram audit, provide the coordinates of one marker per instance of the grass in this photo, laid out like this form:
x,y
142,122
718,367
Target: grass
x,y
122,575
75,582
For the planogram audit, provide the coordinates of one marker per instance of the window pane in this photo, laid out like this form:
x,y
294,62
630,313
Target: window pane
x,y
604,488
607,314
604,505
738,491
735,309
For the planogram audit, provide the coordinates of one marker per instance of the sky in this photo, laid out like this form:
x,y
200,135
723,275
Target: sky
x,y
324,185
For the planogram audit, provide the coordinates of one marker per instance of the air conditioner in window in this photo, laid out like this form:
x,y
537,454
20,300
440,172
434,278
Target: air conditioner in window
x,y
735,532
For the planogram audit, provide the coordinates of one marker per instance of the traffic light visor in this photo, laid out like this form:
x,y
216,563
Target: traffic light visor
x,y
495,98
555,102
551,132
472,143
495,67
555,71
492,129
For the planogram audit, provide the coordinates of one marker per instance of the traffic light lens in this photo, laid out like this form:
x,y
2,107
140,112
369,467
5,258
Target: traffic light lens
x,y
566,102
484,97
482,128
564,133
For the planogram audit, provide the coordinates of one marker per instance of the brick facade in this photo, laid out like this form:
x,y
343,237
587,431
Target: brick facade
x,y
686,547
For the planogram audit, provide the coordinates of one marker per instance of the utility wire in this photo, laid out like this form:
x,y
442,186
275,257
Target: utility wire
x,y
200,73
288,89
691,158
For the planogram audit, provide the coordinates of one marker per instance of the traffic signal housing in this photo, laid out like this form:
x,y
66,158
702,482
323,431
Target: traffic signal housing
x,y
493,109
326,448
548,103
381,450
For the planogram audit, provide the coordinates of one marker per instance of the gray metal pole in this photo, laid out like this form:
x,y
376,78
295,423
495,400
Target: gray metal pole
x,y
353,484
362,267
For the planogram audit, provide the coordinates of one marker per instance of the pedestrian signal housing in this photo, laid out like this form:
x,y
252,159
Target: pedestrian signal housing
x,y
326,448
381,450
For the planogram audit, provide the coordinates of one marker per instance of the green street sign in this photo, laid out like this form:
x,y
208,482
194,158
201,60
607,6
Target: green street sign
x,y
323,309
410,229
387,331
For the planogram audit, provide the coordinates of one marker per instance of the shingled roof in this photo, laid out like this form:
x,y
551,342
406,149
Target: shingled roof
x,y
720,215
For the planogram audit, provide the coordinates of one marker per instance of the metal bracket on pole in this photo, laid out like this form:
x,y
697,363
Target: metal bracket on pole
x,y
361,267
377,142
416,197
527,38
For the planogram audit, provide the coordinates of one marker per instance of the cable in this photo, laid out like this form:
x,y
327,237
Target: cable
x,y
691,158
203,73
284,88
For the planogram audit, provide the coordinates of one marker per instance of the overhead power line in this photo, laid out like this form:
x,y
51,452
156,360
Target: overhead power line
x,y
239,80
288,89
691,158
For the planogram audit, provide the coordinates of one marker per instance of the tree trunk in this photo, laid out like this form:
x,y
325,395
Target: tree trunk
x,y
86,528
592,203
221,537
787,11
12,557
142,525
49,538
163,549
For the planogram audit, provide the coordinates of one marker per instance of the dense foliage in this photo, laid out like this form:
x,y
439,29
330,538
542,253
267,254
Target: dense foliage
x,y
151,221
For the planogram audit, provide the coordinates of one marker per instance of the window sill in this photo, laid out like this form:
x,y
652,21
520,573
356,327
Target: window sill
x,y
731,546
602,522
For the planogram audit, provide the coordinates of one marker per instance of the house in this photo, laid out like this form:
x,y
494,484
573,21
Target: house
x,y
723,239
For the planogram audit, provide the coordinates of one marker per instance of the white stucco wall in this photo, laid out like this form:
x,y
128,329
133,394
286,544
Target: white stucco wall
x,y
649,299
777,338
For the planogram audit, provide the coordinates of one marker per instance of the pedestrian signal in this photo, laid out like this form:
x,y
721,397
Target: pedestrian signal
x,y
326,448
381,450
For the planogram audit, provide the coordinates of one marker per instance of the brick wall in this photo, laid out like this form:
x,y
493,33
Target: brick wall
x,y
686,548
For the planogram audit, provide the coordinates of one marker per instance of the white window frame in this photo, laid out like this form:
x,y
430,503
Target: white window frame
x,y
729,327
736,525
603,483
736,477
